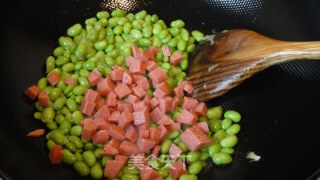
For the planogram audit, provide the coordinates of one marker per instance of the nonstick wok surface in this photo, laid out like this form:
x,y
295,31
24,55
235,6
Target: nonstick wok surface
x,y
280,106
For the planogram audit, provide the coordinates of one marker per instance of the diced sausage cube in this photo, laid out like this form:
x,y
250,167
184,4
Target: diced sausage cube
x,y
123,106
137,67
127,78
113,167
158,75
151,65
89,129
43,99
144,133
154,134
111,99
174,152
166,51
154,50
116,74
174,103
103,112
140,117
156,151
162,90
93,77
176,58
201,109
125,119
128,148
145,144
178,91
202,125
100,103
165,120
174,127
154,103
156,114
164,132
102,124
195,139
131,134
187,117
133,99
32,92
101,137
117,133
87,107
139,91
53,78
129,60
165,104
177,169
140,106
148,173
143,83
122,90
91,96
187,86
105,86
189,103
114,117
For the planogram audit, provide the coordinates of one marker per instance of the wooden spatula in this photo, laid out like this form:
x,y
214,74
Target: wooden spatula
x,y
237,55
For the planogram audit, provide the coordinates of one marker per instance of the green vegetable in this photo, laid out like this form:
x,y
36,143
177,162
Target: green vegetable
x,y
221,158
195,168
81,168
233,115
229,141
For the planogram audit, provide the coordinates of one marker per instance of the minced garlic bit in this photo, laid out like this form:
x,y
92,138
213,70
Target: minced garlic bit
x,y
212,67
253,157
205,86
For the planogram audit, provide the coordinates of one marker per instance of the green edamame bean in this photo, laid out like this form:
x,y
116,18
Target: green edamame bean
x,y
79,90
129,177
234,129
195,168
188,177
38,107
47,89
103,14
81,50
89,158
118,13
227,150
89,147
226,123
156,42
37,115
65,126
136,33
144,42
66,43
215,148
163,172
107,158
77,117
81,168
101,45
76,130
165,146
68,157
55,93
204,156
233,115
184,34
193,156
64,110
117,30
83,81
221,158
61,60
184,64
190,48
50,144
96,171
47,115
182,45
147,31
98,151
59,103
71,104
229,141
58,137
215,125
219,135
76,141
78,99
83,73
88,65
141,14
70,147
197,35
214,113
177,23
50,64
58,51
173,134
183,146
42,83
62,85
52,125
74,30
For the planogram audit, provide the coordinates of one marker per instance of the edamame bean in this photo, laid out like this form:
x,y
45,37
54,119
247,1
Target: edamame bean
x,y
195,168
234,129
81,168
215,148
52,125
173,134
219,135
136,33
221,158
165,146
188,177
118,13
98,151
101,45
77,117
89,158
193,156
71,147
184,64
65,126
197,35
233,115
47,115
144,42
76,141
226,123
59,103
227,150
214,113
78,99
105,159
55,93
89,147
83,81
58,51
58,137
74,30
177,23
79,90
204,156
37,115
229,141
163,172
129,177
76,130
50,64
103,14
71,104
215,125
96,171
183,146
129,169
141,14
42,83
182,45
68,157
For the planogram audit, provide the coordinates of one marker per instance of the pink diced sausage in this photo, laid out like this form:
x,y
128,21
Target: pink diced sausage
x,y
174,103
127,78
189,103
140,106
116,74
174,152
178,91
100,103
154,103
177,169
93,77
122,90
53,78
144,133
148,173
129,60
202,125
139,91
143,83
89,129
174,127
187,86
165,104
102,124
117,133
111,148
195,139
103,112
165,120
87,107
113,167
111,99
91,95
156,151
137,67
201,109
151,65
123,106
145,144
131,134
140,117
158,75
132,99
163,89
114,117
156,114
125,119
166,51
43,99
154,134
105,86
128,148
164,132
187,117
175,59
101,137
154,50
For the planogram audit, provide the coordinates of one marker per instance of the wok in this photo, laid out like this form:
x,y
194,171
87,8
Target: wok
x,y
280,106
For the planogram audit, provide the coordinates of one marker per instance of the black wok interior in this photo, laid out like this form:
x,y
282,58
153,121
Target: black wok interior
x,y
280,106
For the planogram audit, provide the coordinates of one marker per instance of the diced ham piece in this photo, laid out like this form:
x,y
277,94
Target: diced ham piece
x,y
111,99
128,148
123,106
100,103
43,99
174,127
165,120
143,83
158,75
32,92
178,91
147,100
117,133
93,77
123,159
135,50
174,103
156,114
151,65
165,104
105,86
174,152
87,107
163,89
166,51
154,134
187,117
145,144
127,78
202,125
176,58
129,60
69,80
137,67
133,99
139,91
137,77
201,109
187,86
116,74
101,137
145,125
140,117
91,96
177,169
131,134
140,106
114,117
125,119
154,50
111,148
195,139
113,167
102,124
122,90
189,103
154,103
156,150
89,129
53,78
148,173
103,112
164,132
144,133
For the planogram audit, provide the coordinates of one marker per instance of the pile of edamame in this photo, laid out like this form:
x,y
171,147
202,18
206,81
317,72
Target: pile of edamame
x,y
105,41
